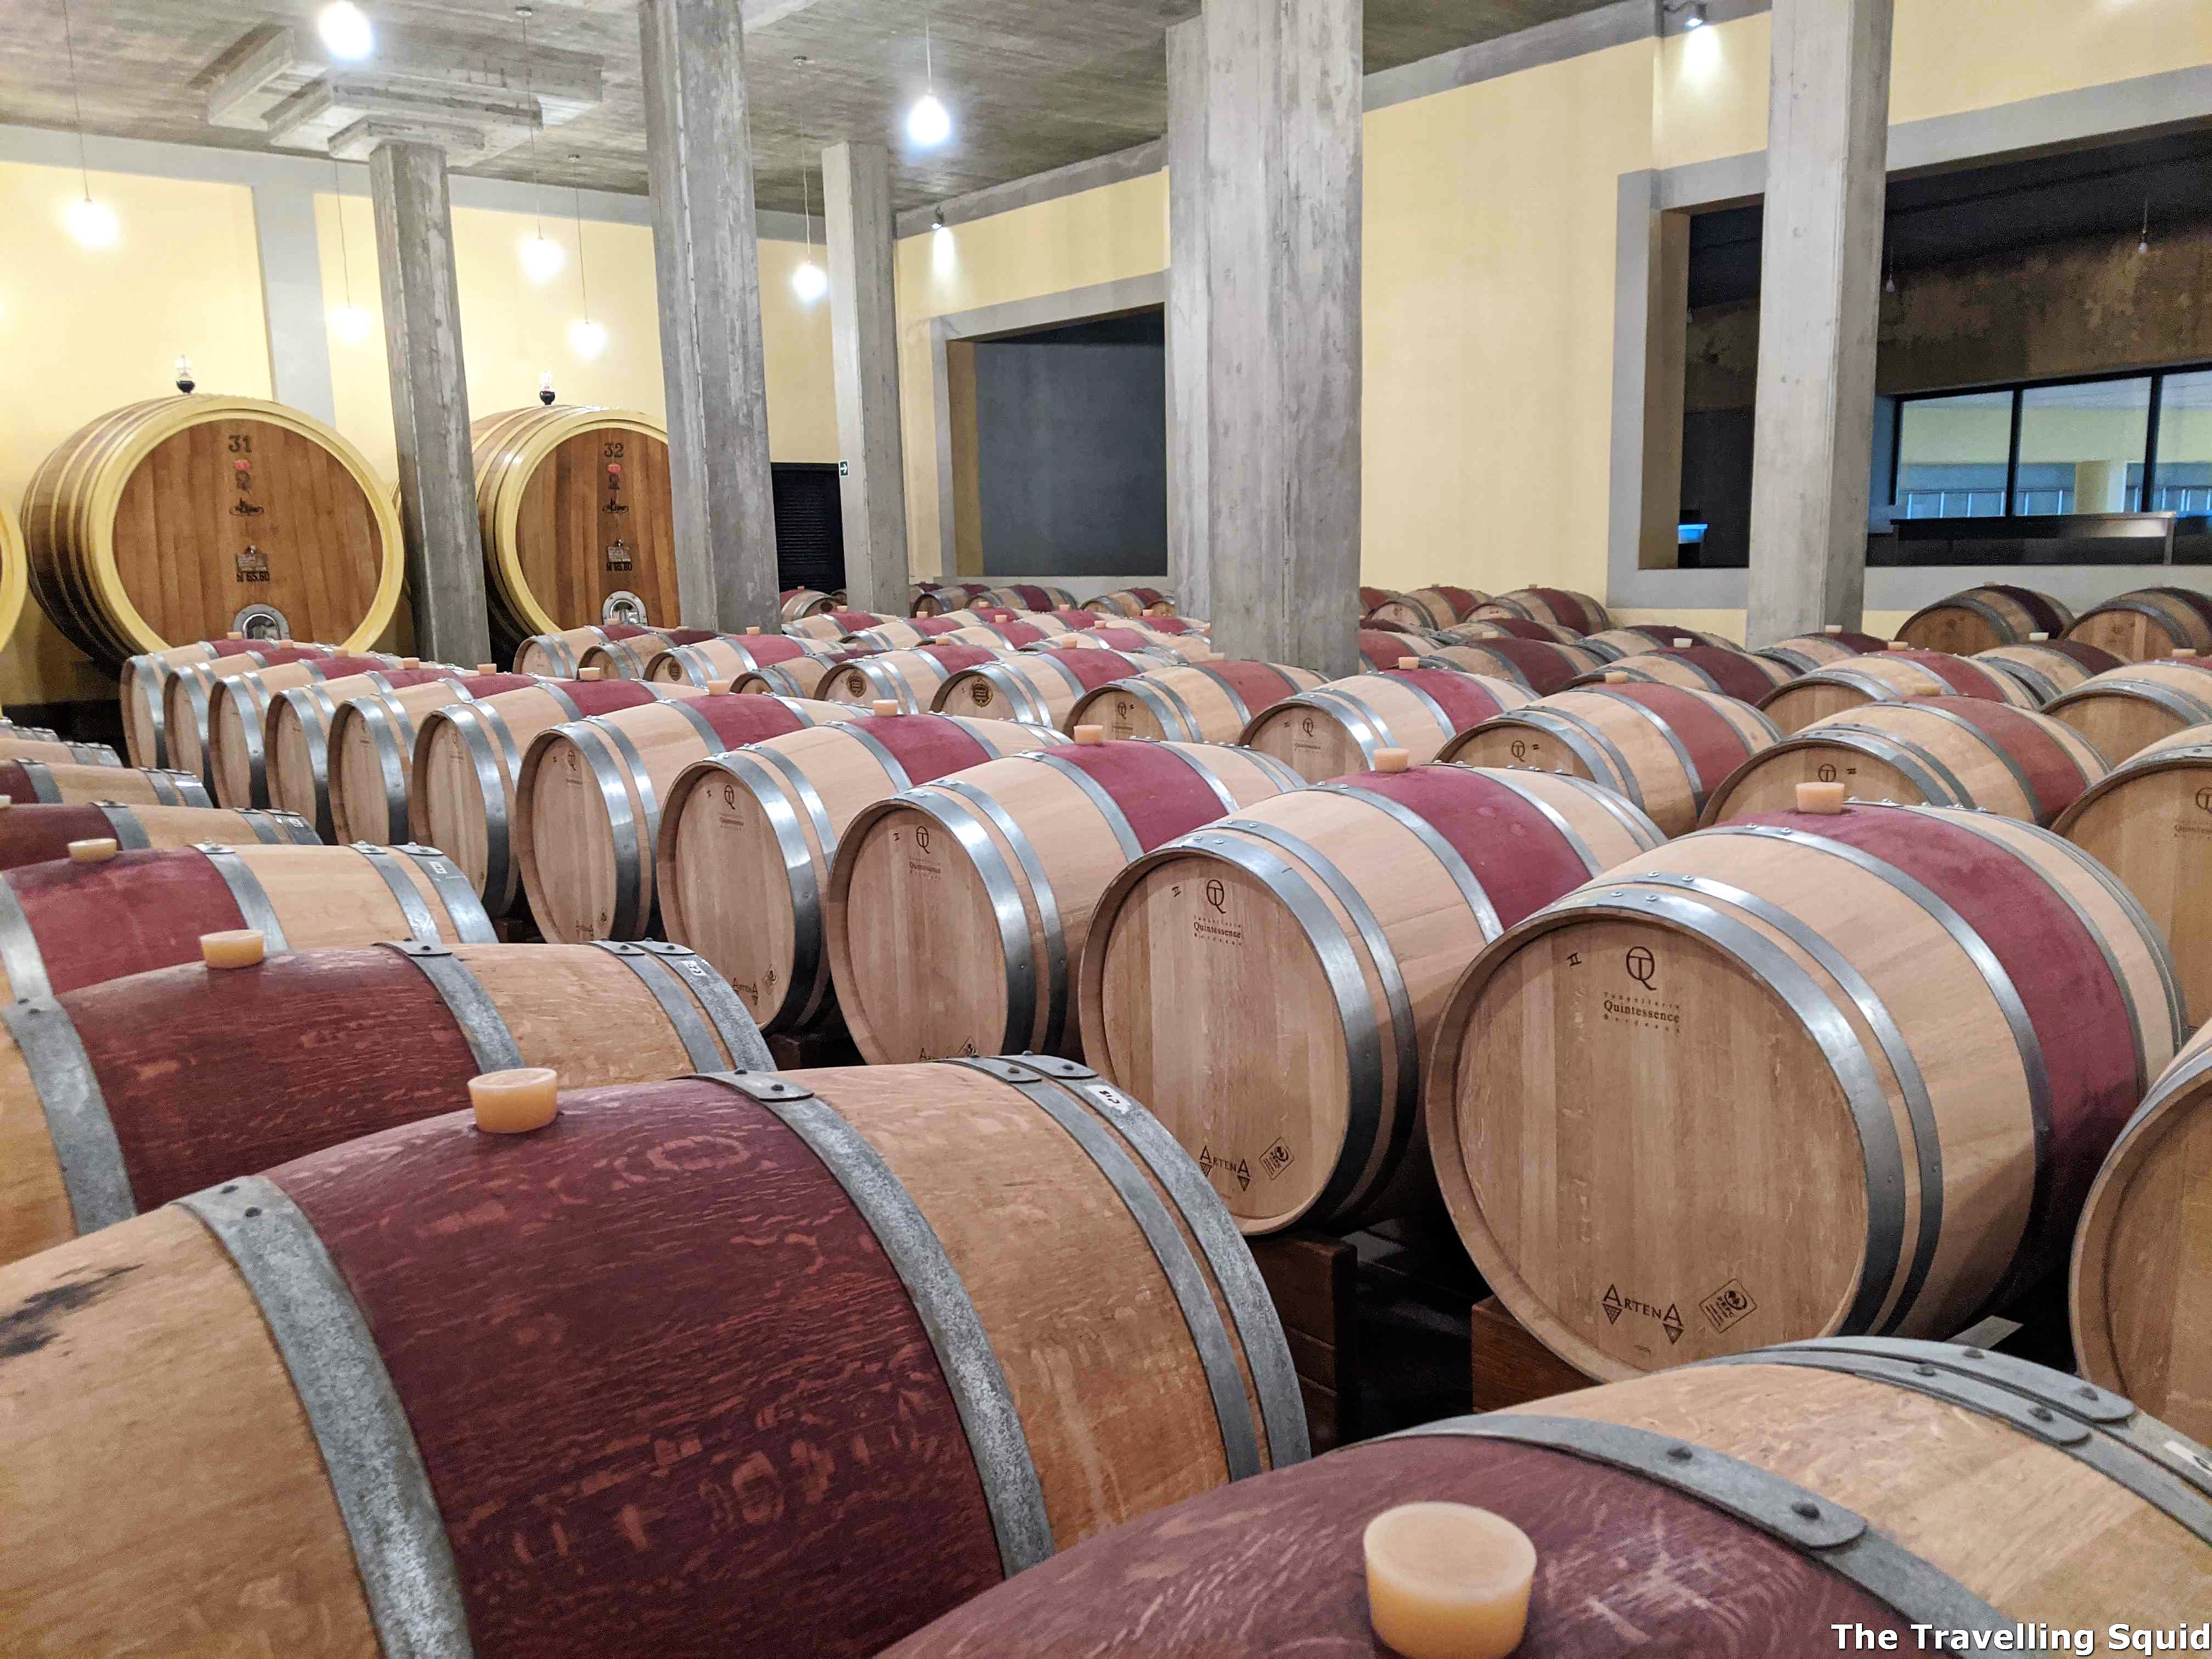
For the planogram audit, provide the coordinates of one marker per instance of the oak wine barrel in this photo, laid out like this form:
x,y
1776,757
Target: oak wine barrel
x,y
2050,668
40,831
1474,632
2126,710
460,795
1041,687
1669,1514
296,730
371,748
235,752
73,924
1372,599
1222,986
1537,667
1724,669
1663,748
1890,676
1831,1073
54,751
1134,602
831,626
578,521
911,679
1936,751
748,838
132,1093
587,802
726,656
44,733
1385,649
560,655
629,659
179,518
1032,596
1428,608
2149,822
2142,1258
915,631
1174,625
144,688
776,1363
2149,624
1807,651
1345,725
1075,619
797,602
1973,622
957,910
1632,639
802,676
1134,637
188,692
1190,702
1579,611
26,781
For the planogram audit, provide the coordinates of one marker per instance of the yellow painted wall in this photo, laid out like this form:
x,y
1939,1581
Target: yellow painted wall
x,y
84,331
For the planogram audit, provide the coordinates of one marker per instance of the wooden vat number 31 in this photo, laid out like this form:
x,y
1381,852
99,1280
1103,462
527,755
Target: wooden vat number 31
x,y
252,564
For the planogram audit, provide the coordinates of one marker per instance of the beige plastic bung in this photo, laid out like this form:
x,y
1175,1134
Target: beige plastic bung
x,y
752,631
233,634
487,668
515,1103
93,852
1898,645
720,688
1448,1581
591,673
1393,760
1684,645
1409,662
1090,734
2036,639
241,947
6,801
1823,798
1833,628
883,707
2185,650
410,662
1616,676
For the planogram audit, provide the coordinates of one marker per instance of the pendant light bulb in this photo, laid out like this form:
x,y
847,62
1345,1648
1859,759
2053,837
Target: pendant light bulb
x,y
350,324
928,124
810,282
345,30
94,224
542,258
587,338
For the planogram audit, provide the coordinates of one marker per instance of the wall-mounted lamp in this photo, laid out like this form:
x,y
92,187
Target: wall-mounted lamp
x,y
1692,12
937,222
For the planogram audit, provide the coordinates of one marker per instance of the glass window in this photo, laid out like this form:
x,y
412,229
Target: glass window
x,y
1951,454
2081,447
2183,481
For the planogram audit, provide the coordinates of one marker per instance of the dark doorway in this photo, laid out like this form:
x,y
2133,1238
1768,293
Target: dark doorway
x,y
810,526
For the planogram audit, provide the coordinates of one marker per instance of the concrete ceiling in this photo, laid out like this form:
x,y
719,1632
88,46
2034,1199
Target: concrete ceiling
x,y
1032,84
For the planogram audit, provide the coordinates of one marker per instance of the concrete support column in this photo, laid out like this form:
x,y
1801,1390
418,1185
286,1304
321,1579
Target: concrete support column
x,y
1189,573
707,262
856,198
429,400
1819,299
1283,209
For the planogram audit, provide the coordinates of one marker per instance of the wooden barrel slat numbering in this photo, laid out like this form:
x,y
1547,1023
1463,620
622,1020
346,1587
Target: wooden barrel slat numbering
x,y
1346,725
1194,702
1663,748
587,802
1831,1073
1695,1513
294,744
577,518
2149,822
1807,651
1266,983
1891,676
2143,1256
1722,669
1429,607
748,839
1934,751
365,788
1134,602
957,911
2149,624
468,756
41,832
937,1391
132,1093
48,751
179,518
2126,710
67,925
1537,666
1041,687
1970,622
1560,606
2050,668
726,656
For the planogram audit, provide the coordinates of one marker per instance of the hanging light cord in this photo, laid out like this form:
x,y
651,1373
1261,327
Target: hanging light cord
x,y
583,283
76,98
806,209
530,92
929,57
345,258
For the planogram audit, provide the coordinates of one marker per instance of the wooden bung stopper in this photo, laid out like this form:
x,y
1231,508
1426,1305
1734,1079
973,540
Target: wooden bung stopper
x,y
1393,760
590,673
883,707
1615,676
1090,734
1448,1581
1826,799
515,1103
241,947
93,852
1409,662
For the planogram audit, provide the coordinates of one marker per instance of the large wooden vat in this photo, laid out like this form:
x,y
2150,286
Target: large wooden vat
x,y
911,679
1132,602
1807,651
1040,686
127,1095
183,519
460,796
2149,822
2050,668
38,832
1345,725
1560,606
67,925
771,1364
587,802
1426,608
1267,984
15,575
1032,596
1724,669
1664,748
748,838
577,519
359,771
2126,710
1830,1074
1936,751
1818,1498
957,911
1892,675
1537,666
25,780
1194,702
2149,624
2142,1258
1970,622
